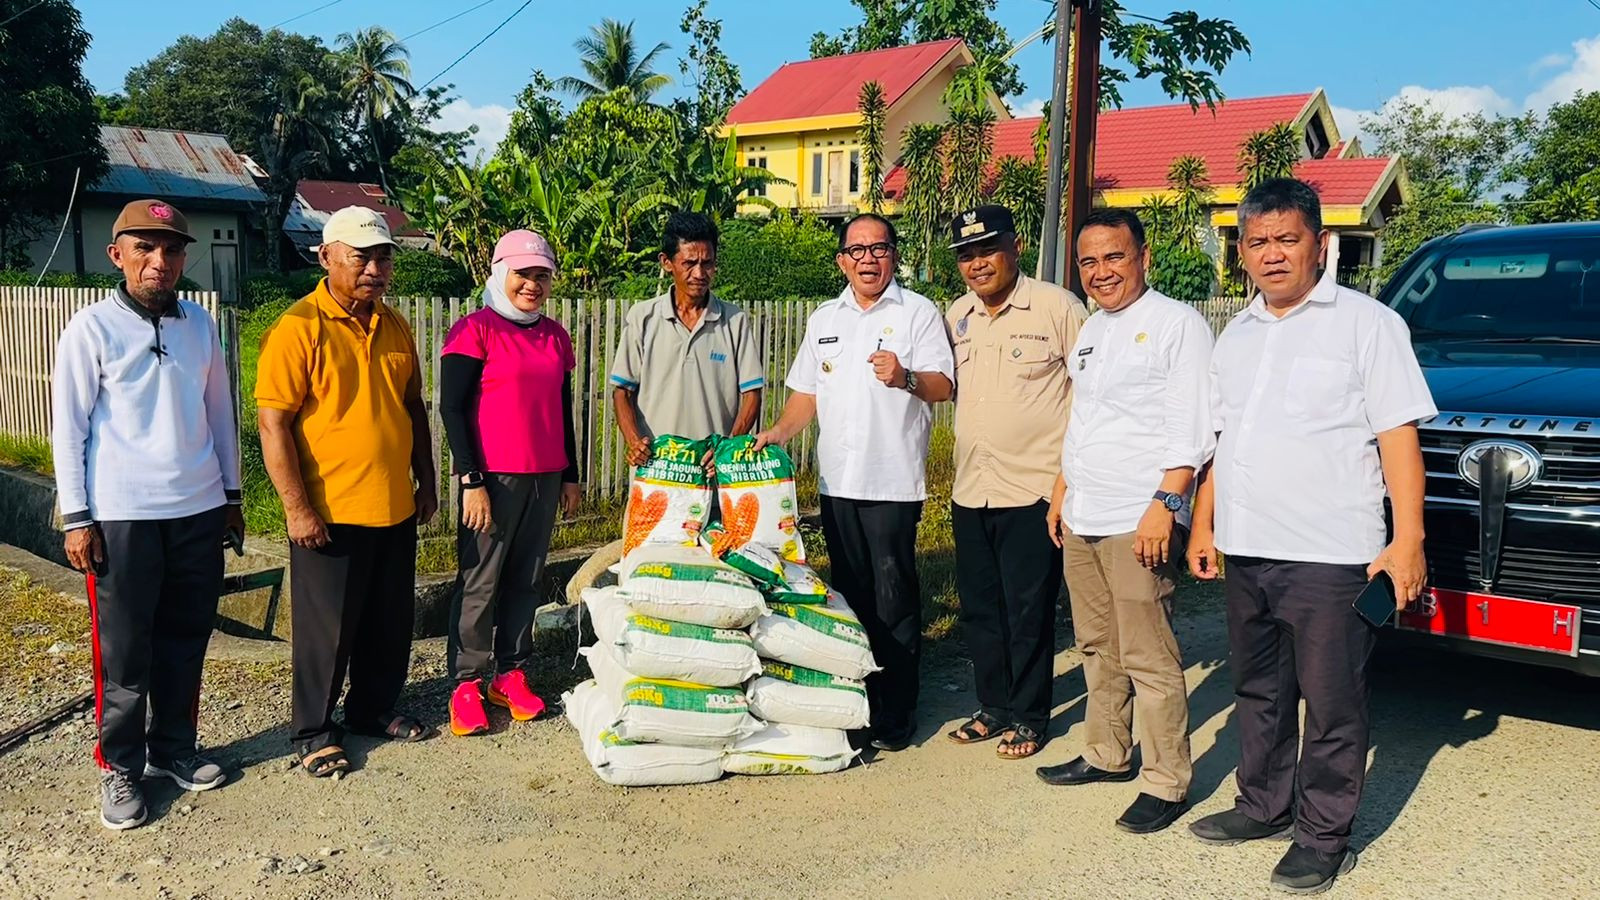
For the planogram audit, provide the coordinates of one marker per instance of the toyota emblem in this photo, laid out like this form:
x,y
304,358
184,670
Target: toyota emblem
x,y
1526,465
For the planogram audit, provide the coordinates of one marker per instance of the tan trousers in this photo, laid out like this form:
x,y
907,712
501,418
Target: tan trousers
x,y
1122,619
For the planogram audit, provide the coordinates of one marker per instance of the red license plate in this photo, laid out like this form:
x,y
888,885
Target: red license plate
x,y
1529,624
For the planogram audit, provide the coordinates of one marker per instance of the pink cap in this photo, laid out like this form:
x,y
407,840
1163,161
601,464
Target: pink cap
x,y
523,249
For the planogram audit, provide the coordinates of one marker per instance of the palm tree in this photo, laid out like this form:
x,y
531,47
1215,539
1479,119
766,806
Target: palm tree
x,y
1268,154
1020,186
609,55
969,143
1189,179
873,114
294,146
377,80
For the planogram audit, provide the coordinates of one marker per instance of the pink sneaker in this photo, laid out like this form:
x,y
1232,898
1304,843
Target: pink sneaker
x,y
467,715
510,689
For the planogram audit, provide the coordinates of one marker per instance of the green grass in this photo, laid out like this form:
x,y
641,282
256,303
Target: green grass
x,y
26,452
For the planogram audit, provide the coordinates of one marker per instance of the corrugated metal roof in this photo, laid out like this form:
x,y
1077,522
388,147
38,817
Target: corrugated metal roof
x,y
174,165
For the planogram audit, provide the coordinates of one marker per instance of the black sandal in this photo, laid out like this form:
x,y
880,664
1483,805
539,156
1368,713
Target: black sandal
x,y
324,762
967,734
394,727
1021,735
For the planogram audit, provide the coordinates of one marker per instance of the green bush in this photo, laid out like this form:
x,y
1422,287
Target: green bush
x,y
645,286
782,257
418,273
25,278
1186,275
265,289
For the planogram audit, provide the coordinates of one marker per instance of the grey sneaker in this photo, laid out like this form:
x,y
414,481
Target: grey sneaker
x,y
121,801
192,773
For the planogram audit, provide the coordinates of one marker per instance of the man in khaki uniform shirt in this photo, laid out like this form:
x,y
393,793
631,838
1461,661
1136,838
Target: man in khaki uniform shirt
x,y
1013,336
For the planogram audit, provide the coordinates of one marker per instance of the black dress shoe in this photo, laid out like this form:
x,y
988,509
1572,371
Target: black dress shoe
x,y
1079,771
893,741
1149,814
1306,871
1230,827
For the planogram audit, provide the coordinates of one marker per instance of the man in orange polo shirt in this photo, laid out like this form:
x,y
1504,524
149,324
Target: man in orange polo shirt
x,y
343,430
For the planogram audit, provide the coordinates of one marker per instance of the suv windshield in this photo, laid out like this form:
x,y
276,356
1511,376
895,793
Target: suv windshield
x,y
1513,291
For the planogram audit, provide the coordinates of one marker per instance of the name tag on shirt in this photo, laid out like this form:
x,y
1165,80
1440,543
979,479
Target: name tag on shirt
x,y
828,340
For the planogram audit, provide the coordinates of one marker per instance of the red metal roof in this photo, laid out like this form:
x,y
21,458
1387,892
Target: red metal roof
x,y
831,86
1135,147
1343,182
332,196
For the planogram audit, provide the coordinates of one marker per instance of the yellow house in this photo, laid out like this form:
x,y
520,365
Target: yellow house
x,y
803,123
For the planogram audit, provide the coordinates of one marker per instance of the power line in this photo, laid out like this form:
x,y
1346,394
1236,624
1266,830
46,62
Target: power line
x,y
447,21
1595,3
21,14
307,13
480,43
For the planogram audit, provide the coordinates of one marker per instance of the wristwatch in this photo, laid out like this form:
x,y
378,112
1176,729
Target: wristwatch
x,y
911,382
1173,502
470,480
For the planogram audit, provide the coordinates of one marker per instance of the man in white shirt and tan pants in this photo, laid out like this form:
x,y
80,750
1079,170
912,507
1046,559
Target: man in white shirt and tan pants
x,y
1316,395
1140,430
872,363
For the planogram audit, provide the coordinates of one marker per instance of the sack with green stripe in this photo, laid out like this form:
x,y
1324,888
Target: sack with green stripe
x,y
666,711
756,491
658,648
781,580
827,637
687,584
796,695
628,763
790,750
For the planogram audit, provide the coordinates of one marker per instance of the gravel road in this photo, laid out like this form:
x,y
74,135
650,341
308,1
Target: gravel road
x,y
1483,784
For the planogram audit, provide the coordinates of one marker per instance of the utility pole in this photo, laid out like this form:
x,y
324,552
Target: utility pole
x,y
1085,114
1049,243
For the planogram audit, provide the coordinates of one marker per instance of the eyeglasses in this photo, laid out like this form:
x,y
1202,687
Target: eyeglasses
x,y
858,252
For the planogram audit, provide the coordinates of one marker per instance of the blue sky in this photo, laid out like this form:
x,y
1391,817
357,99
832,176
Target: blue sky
x,y
1462,54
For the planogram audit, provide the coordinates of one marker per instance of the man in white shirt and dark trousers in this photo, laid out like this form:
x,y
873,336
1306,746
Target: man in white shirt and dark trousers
x,y
1013,338
147,469
872,363
1140,430
1316,395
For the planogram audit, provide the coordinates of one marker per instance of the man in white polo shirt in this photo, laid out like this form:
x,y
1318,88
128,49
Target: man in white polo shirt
x,y
1315,394
147,469
1140,429
871,364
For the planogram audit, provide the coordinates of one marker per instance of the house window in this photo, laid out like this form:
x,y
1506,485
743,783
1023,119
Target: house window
x,y
816,174
216,234
855,171
758,162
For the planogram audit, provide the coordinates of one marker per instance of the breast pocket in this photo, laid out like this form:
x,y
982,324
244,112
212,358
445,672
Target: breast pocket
x,y
829,359
1316,388
397,369
1026,360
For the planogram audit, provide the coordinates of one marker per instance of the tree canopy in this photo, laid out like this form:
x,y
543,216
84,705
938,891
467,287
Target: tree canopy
x,y
610,58
49,123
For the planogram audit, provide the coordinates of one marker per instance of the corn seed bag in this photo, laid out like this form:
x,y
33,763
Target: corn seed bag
x,y
756,490
627,763
669,501
687,584
656,648
663,711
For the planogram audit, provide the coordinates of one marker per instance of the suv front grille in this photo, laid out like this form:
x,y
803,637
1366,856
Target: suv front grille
x,y
1571,475
1566,575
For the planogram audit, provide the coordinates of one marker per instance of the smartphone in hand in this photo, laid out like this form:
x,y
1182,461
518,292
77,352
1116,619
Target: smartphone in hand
x,y
1376,602
233,539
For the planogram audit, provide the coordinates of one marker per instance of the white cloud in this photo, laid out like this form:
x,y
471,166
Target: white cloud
x,y
1549,61
1581,74
1454,102
1029,108
493,121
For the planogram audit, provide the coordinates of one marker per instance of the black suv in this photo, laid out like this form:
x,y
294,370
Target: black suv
x,y
1506,325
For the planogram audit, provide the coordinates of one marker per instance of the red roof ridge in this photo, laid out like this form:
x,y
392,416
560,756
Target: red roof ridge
x,y
947,42
1303,96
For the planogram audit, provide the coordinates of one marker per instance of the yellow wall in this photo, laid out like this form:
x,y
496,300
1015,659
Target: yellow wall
x,y
790,157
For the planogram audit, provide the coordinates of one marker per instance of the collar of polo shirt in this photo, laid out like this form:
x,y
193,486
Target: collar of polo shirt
x,y
1326,291
713,310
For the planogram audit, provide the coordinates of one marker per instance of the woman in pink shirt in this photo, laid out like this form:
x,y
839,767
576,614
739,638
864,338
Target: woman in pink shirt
x,y
506,402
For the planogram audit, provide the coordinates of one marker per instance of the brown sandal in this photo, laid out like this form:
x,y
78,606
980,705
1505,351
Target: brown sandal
x,y
324,762
1021,736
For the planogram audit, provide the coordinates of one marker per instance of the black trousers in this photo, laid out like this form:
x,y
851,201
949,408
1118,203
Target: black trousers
x,y
1292,634
352,605
497,589
153,605
1008,574
872,547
